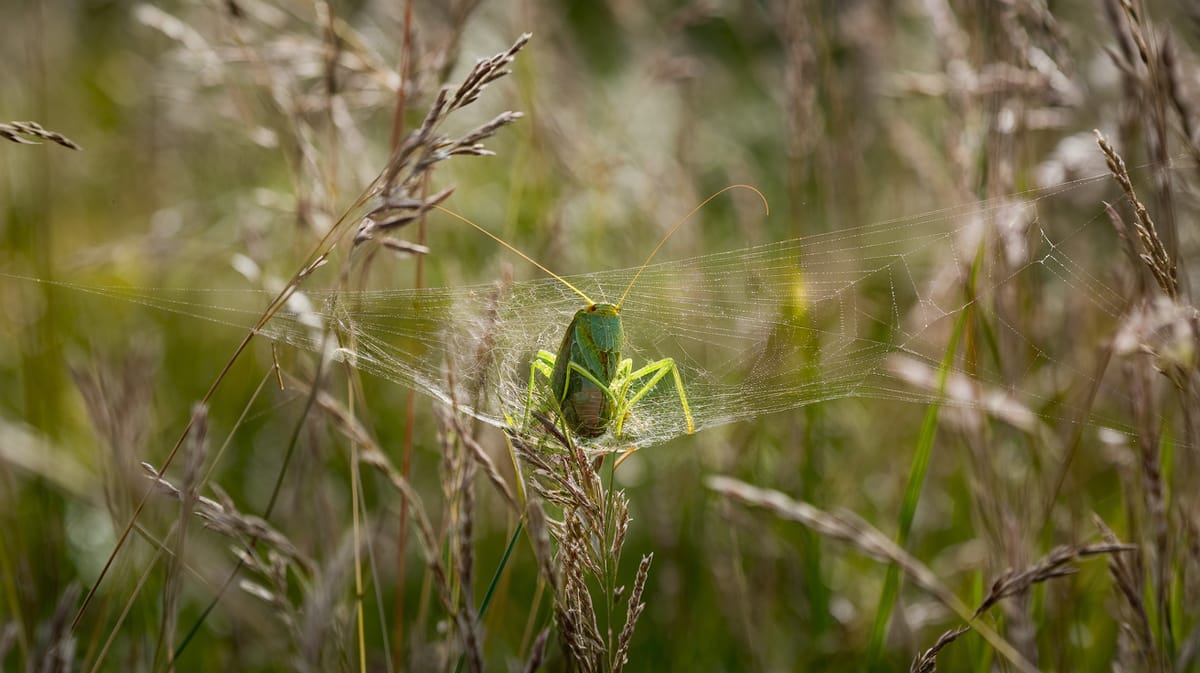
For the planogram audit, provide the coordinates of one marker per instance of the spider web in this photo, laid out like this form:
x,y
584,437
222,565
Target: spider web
x,y
858,313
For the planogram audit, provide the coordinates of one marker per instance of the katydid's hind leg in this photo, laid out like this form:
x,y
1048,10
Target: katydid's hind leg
x,y
687,410
656,371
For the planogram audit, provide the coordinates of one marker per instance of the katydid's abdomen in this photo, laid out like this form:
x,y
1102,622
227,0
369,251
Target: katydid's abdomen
x,y
592,344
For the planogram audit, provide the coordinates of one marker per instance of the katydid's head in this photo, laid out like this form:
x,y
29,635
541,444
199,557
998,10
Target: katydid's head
x,y
603,310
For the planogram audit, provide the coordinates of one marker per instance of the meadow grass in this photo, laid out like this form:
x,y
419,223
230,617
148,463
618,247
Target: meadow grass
x,y
1015,489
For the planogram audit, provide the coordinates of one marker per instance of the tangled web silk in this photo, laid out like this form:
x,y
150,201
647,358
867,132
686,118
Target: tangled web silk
x,y
753,331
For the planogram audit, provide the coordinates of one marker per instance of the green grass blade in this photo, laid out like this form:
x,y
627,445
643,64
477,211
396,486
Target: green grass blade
x,y
487,596
912,495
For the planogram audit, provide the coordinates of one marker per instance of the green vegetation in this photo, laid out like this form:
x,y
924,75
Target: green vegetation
x,y
266,405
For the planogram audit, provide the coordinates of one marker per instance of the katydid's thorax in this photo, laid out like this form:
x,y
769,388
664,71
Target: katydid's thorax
x,y
593,343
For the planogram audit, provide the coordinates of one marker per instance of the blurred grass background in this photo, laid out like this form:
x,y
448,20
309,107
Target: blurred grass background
x,y
214,129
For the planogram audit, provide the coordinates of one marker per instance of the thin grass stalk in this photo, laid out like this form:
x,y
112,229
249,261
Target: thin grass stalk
x,y
633,612
495,581
1128,577
11,603
1056,564
850,529
293,441
410,399
195,454
372,455
465,561
465,95
9,633
275,306
538,652
534,610
58,645
112,634
355,489
1149,456
377,583
912,494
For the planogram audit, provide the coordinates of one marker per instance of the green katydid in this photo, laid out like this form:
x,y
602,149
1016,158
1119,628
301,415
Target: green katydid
x,y
591,385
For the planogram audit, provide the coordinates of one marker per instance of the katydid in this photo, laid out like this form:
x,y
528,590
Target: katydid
x,y
591,386
590,382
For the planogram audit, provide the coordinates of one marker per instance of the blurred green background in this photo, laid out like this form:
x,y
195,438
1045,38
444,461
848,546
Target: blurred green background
x,y
209,130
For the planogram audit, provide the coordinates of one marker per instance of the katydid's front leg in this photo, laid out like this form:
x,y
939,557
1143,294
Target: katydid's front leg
x,y
543,363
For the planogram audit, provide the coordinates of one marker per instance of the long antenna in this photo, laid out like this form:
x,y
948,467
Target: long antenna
x,y
527,258
766,207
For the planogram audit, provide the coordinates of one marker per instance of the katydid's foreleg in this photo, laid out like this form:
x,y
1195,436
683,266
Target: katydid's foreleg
x,y
656,371
542,363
